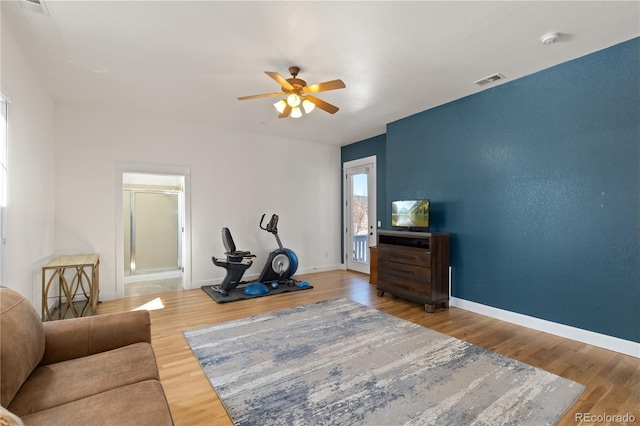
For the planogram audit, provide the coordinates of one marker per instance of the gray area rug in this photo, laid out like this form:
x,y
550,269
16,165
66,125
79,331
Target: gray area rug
x,y
338,362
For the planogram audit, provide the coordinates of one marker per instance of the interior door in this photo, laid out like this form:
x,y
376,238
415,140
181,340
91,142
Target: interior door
x,y
360,217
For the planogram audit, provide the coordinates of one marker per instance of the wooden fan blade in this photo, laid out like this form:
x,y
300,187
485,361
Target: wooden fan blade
x,y
286,112
264,95
323,87
280,79
325,106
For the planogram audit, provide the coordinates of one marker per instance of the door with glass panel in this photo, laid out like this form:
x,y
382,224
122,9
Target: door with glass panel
x,y
360,217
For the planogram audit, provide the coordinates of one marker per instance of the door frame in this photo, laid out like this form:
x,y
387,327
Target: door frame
x,y
370,161
144,168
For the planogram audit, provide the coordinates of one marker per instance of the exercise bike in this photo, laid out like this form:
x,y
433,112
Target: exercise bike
x,y
279,268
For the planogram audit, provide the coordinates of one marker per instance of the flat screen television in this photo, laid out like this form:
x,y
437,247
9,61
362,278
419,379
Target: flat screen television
x,y
412,214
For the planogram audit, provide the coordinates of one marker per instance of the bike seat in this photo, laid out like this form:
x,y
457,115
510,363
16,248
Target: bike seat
x,y
233,254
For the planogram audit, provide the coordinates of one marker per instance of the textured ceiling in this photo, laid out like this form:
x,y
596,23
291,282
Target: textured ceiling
x,y
192,59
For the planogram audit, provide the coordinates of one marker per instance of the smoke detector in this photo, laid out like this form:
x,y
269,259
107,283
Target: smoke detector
x,y
549,38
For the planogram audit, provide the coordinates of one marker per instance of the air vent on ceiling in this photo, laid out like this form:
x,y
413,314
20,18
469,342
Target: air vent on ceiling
x,y
490,79
35,6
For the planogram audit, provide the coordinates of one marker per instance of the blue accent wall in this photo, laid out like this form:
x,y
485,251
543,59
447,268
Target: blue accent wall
x,y
538,182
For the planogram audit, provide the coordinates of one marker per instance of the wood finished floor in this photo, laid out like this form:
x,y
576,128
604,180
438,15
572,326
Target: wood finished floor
x,y
612,380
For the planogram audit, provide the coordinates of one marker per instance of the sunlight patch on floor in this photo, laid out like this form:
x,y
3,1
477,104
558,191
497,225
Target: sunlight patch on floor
x,y
153,305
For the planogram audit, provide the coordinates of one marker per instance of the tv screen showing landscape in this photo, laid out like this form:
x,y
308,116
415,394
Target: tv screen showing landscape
x,y
410,213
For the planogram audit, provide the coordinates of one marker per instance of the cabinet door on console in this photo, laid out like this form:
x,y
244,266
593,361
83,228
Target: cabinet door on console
x,y
413,266
404,271
404,255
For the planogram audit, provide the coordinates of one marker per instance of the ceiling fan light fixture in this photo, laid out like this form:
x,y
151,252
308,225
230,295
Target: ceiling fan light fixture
x,y
308,106
296,112
280,105
295,95
293,100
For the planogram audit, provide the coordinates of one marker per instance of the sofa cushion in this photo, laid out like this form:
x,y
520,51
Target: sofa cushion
x,y
138,404
21,342
56,384
84,336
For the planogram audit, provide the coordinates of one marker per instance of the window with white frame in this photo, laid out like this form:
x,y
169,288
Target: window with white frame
x,y
3,184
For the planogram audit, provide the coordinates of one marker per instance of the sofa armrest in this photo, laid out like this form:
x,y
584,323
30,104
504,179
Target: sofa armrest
x,y
78,337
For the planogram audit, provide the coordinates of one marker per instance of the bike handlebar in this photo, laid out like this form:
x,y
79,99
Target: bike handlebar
x,y
272,226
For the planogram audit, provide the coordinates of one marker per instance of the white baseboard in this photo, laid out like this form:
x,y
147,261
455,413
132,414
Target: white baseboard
x,y
322,268
616,344
107,296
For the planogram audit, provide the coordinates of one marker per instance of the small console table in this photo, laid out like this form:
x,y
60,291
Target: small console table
x,y
414,266
85,281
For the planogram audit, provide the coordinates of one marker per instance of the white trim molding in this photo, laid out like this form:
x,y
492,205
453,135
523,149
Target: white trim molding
x,y
348,168
121,168
616,344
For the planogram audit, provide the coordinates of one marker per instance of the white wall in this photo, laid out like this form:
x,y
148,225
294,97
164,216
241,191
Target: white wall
x,y
234,178
30,191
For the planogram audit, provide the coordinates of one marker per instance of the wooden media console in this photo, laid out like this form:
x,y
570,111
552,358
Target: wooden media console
x,y
414,266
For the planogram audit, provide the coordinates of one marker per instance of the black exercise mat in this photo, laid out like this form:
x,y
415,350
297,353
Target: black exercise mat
x,y
237,293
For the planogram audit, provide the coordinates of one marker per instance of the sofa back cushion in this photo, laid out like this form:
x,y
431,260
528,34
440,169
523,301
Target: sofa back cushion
x,y
21,342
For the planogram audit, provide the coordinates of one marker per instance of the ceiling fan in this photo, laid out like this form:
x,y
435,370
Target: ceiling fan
x,y
299,94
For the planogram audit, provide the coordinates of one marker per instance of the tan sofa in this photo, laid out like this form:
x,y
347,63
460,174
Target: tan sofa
x,y
98,370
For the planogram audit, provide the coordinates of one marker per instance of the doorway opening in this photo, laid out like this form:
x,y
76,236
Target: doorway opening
x,y
152,226
360,212
152,221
